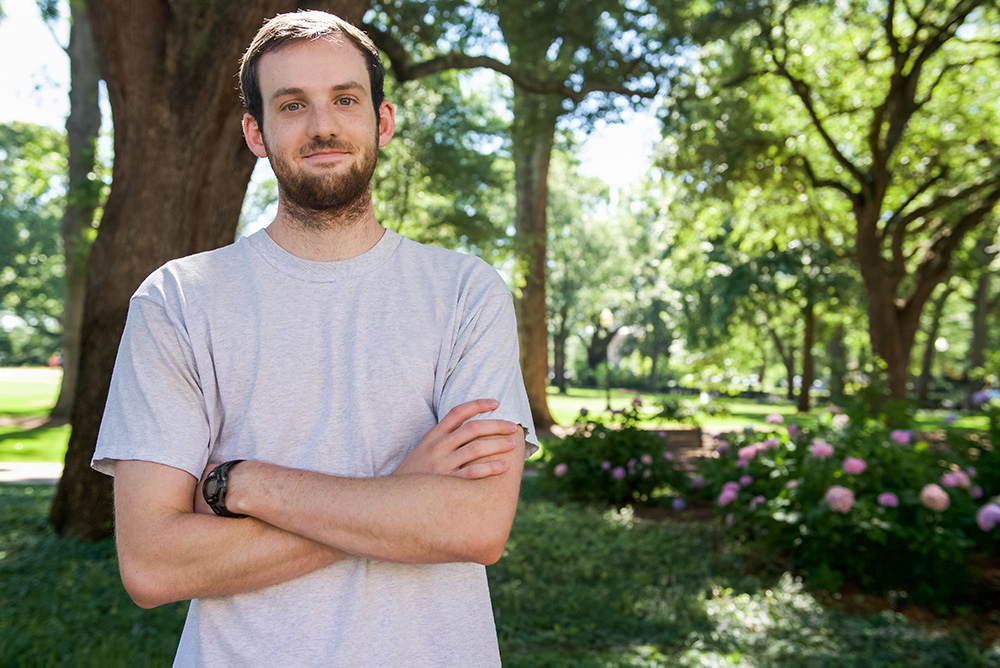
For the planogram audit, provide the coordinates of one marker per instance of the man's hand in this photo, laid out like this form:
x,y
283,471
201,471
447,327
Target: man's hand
x,y
464,448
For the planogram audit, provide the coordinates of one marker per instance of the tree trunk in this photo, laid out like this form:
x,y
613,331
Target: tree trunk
x,y
83,127
532,136
180,174
788,360
981,305
837,353
927,363
559,338
809,329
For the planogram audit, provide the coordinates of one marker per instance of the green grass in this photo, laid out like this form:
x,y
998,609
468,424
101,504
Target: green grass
x,y
24,394
577,588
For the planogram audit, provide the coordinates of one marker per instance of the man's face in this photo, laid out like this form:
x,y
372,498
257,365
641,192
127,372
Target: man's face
x,y
319,132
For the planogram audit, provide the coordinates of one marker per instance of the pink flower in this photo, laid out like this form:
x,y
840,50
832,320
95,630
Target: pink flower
x,y
840,499
956,479
726,497
841,420
647,473
637,402
934,497
793,430
791,484
678,503
745,480
976,492
756,501
771,443
901,436
854,466
731,486
729,520
748,452
618,473
775,418
821,449
971,470
646,459
723,446
697,483
560,470
669,456
888,500
742,463
605,465
988,516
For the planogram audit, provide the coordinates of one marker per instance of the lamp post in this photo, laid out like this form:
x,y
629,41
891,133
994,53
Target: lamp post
x,y
607,321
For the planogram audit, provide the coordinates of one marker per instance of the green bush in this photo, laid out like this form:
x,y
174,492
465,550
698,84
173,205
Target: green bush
x,y
612,461
858,501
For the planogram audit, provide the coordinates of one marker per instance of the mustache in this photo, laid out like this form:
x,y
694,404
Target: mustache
x,y
326,145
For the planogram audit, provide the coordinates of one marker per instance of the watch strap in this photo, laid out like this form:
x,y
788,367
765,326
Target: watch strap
x,y
216,487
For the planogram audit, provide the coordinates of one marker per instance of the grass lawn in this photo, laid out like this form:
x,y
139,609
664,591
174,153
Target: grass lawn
x,y
577,588
24,394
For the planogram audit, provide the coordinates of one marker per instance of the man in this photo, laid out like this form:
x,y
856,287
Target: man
x,y
318,432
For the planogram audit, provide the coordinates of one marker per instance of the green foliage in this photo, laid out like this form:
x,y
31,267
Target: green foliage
x,y
32,165
776,488
62,603
612,461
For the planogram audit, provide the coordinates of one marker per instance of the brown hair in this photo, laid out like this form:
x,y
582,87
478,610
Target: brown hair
x,y
302,25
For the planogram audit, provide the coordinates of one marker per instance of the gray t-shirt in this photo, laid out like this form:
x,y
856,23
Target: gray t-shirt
x,y
248,352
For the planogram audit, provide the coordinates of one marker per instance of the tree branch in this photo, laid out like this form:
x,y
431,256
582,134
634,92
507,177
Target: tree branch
x,y
825,183
405,70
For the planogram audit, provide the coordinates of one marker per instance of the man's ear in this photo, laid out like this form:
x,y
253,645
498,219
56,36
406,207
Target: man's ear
x,y
386,122
253,136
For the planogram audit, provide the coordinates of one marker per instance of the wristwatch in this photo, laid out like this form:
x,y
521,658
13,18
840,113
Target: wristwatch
x,y
216,486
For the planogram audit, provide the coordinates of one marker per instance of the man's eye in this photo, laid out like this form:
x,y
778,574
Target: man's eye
x,y
345,101
292,106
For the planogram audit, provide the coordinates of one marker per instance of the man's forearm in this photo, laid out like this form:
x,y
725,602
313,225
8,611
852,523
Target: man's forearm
x,y
406,518
167,553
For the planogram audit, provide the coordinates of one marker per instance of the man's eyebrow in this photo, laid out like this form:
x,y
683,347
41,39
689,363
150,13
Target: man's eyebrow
x,y
295,90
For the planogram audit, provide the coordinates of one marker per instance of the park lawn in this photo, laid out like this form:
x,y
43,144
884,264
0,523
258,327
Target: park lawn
x,y
26,392
577,588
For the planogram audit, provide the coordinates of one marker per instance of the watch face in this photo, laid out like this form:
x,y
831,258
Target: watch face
x,y
211,485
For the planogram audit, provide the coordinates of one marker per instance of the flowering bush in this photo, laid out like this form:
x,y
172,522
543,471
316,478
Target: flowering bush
x,y
612,460
857,500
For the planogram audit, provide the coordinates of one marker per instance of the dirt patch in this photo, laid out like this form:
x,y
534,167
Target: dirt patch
x,y
32,422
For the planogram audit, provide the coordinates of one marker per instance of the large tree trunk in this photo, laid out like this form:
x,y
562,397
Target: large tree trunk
x,y
532,136
981,305
809,329
83,126
180,173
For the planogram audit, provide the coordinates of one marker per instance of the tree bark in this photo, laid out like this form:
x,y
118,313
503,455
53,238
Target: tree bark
x,y
533,136
788,360
83,127
180,174
559,338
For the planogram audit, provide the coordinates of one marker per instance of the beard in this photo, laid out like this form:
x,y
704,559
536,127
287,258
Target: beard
x,y
318,198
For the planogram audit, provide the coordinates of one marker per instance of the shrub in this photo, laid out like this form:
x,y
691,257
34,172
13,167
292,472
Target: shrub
x,y
884,507
611,460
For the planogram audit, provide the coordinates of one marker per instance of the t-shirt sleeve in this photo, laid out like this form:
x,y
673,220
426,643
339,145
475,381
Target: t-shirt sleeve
x,y
155,410
485,364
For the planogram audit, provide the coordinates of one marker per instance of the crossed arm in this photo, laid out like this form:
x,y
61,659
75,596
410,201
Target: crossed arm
x,y
452,499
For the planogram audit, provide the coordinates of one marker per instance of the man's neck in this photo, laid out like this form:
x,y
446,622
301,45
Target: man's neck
x,y
325,238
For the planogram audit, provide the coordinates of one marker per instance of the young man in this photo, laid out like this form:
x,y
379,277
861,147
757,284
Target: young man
x,y
318,432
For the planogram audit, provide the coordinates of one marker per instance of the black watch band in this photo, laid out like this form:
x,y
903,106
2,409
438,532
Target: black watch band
x,y
216,486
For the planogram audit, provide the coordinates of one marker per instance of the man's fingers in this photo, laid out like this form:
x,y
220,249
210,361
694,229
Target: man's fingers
x,y
478,470
484,447
462,412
